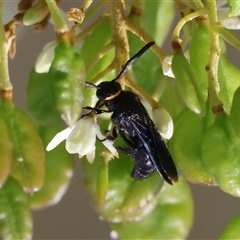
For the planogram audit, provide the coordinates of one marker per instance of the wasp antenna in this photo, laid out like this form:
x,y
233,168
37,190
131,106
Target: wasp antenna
x,y
91,85
132,59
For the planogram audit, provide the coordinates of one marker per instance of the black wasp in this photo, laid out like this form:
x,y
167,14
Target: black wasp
x,y
132,122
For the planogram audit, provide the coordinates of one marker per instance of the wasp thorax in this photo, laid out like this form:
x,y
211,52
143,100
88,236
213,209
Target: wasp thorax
x,y
107,91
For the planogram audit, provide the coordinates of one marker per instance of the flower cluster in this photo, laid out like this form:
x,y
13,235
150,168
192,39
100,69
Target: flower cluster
x,y
226,21
81,139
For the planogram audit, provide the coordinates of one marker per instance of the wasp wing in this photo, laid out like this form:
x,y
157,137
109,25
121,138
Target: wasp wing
x,y
155,147
143,167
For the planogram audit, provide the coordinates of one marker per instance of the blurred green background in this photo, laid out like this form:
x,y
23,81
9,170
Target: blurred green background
x,y
73,217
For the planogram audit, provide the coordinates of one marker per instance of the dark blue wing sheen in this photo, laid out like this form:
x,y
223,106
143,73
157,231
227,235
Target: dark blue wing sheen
x,y
143,167
142,138
155,147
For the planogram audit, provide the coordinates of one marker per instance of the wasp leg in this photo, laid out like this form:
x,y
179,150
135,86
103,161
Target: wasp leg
x,y
106,138
96,110
143,167
112,136
128,141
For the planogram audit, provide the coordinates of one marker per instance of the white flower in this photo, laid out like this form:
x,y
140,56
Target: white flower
x,y
227,21
81,139
224,16
59,137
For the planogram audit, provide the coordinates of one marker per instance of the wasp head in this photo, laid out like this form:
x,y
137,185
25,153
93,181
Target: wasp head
x,y
106,91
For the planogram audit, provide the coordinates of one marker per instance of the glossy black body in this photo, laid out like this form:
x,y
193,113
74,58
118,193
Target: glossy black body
x,y
142,139
131,122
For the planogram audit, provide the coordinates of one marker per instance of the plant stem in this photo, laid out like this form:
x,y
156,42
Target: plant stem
x,y
86,31
120,24
212,66
136,11
184,20
5,83
198,4
139,91
227,36
58,22
95,7
145,37
117,15
86,4
98,56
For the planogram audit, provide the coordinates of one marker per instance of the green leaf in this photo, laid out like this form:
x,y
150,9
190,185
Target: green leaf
x,y
147,69
97,40
125,197
59,171
90,51
157,19
234,8
67,77
170,98
6,152
28,152
232,230
187,82
139,209
16,219
235,113
199,55
228,76
220,151
171,219
186,146
100,66
40,101
139,199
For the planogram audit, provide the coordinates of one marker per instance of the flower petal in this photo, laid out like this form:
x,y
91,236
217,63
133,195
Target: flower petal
x,y
107,143
83,137
59,137
226,21
91,155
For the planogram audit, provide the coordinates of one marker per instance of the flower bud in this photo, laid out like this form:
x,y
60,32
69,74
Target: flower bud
x,y
45,58
36,13
161,119
163,122
166,67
